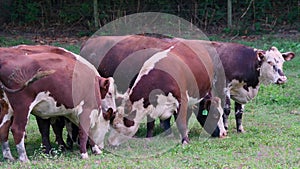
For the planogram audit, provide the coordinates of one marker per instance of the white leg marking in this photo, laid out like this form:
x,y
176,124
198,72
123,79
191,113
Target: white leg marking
x,y
6,151
84,155
96,150
21,151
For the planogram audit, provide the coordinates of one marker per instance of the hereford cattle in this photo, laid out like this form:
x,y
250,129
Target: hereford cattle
x,y
165,76
72,87
245,67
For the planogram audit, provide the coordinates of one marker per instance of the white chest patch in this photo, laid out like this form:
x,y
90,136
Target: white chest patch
x,y
44,106
240,94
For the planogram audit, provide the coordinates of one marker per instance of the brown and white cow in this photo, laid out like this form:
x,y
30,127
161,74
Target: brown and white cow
x,y
245,69
74,89
165,76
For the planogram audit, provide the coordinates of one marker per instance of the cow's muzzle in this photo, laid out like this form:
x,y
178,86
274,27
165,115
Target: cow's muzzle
x,y
281,80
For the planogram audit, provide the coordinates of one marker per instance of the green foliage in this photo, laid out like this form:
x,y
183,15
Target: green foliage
x,y
25,13
78,12
248,16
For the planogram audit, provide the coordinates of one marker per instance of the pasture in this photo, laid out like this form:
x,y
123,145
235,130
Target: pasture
x,y
271,121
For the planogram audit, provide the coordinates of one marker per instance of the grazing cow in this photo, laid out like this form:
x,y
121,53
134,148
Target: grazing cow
x,y
72,87
165,76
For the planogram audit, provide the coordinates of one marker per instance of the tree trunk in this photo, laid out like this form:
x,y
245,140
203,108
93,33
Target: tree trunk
x,y
96,14
229,13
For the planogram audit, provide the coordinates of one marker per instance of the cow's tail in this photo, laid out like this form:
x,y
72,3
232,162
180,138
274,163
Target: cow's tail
x,y
37,76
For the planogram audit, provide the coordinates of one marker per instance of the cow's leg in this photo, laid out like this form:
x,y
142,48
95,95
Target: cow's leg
x,y
166,125
44,128
239,110
83,137
73,133
150,126
58,125
6,151
95,149
181,122
18,130
226,112
6,121
84,126
4,131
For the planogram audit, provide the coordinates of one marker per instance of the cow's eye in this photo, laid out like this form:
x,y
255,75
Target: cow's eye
x,y
270,63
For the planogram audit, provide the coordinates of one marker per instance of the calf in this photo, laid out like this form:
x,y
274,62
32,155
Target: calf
x,y
74,90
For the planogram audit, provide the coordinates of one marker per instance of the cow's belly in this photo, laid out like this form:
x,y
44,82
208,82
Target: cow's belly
x,y
45,107
166,106
241,95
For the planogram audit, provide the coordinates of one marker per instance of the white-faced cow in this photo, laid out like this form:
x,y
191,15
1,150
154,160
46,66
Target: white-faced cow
x,y
72,87
165,76
245,69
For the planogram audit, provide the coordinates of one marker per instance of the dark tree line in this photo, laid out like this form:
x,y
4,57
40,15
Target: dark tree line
x,y
248,15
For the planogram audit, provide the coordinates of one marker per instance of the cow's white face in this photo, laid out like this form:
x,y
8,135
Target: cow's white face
x,y
110,97
271,70
99,127
130,114
136,112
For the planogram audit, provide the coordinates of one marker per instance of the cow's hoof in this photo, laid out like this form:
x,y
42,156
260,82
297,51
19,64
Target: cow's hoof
x,y
241,130
96,150
185,141
84,155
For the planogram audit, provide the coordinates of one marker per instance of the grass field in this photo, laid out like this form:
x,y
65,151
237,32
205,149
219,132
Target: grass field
x,y
271,121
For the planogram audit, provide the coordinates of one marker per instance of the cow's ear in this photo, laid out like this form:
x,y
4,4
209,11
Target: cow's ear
x,y
104,86
260,54
108,114
288,56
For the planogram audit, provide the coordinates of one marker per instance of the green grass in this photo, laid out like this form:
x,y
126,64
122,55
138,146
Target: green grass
x,y
271,121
